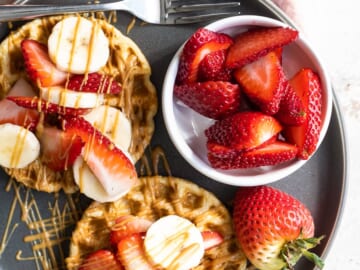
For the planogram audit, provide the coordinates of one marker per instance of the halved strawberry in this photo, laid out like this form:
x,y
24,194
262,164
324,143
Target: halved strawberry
x,y
42,105
263,81
101,259
255,43
212,68
94,82
269,154
292,110
131,253
127,225
59,149
114,170
211,239
307,85
213,99
243,130
39,66
201,43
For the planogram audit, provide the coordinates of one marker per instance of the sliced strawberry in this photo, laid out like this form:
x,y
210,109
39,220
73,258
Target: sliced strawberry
x,y
292,110
131,253
127,225
42,105
263,81
211,239
212,67
213,99
251,45
39,66
307,85
59,149
269,154
243,130
94,82
201,43
114,170
99,260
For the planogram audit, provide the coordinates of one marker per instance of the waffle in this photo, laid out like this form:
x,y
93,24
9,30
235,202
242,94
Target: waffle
x,y
154,197
126,64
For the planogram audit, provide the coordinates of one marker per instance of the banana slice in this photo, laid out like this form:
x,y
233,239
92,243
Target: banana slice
x,y
174,242
113,123
78,45
19,146
73,99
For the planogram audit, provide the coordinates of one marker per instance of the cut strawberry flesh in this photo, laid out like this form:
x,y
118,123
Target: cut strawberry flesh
x,y
211,239
101,259
114,170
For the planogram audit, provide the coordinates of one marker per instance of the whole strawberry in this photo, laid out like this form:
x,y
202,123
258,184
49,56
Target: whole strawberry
x,y
273,228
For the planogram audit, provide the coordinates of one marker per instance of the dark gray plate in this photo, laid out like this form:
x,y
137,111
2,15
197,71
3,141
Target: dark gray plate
x,y
40,239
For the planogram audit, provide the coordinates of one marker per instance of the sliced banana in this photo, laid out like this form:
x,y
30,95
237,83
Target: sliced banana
x,y
89,184
113,123
173,242
78,45
73,99
19,146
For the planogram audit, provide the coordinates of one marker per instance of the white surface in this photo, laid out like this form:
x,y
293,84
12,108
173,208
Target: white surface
x,y
333,27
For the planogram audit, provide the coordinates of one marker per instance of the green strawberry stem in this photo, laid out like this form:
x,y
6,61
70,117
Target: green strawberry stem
x,y
294,250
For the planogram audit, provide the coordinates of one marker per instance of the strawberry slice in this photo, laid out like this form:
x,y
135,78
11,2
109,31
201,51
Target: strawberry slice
x,y
292,110
42,105
243,130
59,149
307,85
251,45
131,253
127,225
263,81
94,82
114,170
212,67
201,43
213,99
101,259
39,66
211,239
268,155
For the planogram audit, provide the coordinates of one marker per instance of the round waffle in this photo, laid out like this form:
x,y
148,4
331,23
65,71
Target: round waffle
x,y
126,64
154,197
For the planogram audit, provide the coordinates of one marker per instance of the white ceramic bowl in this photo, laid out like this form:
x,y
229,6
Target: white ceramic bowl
x,y
186,127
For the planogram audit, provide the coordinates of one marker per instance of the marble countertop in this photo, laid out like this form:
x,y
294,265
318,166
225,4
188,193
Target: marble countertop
x,y
332,27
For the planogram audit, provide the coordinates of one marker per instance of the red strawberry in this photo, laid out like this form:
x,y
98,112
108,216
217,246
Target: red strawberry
x,y
39,66
114,170
292,110
213,99
306,136
269,154
42,105
99,260
127,225
211,239
243,130
201,43
263,81
251,45
94,82
212,67
131,253
59,149
273,228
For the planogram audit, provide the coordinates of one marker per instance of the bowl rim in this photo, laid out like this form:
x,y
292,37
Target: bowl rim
x,y
271,173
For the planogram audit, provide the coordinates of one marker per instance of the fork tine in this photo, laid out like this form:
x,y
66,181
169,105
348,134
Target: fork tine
x,y
206,6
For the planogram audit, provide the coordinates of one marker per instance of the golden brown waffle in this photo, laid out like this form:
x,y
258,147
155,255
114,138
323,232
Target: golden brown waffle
x,y
126,64
154,197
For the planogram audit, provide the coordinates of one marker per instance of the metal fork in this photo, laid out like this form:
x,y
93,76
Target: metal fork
x,y
151,11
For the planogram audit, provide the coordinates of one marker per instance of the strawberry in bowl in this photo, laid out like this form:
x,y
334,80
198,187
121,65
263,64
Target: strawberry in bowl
x,y
246,100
